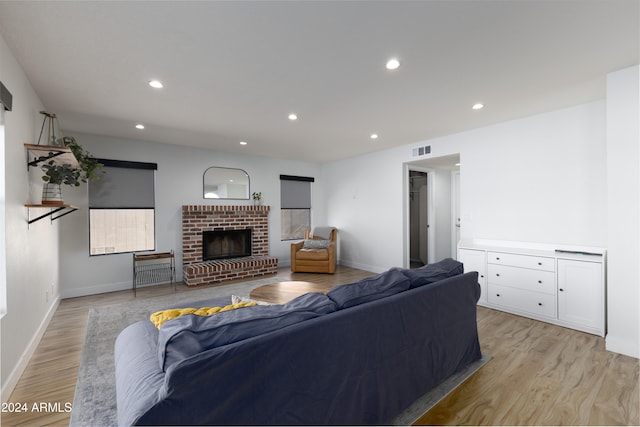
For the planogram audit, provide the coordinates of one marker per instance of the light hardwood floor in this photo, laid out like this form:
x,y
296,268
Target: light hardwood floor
x,y
540,374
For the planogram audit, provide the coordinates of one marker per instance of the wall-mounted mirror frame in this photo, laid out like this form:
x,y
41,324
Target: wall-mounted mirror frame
x,y
225,183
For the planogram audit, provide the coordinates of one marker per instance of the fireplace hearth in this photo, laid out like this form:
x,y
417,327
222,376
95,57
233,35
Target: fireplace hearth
x,y
224,244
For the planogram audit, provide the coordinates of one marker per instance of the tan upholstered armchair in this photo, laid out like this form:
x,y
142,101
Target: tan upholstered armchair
x,y
317,253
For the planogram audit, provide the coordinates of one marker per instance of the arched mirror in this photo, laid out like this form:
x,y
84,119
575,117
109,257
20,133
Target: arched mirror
x,y
225,183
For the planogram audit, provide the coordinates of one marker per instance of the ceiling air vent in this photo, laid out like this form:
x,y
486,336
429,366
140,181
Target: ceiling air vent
x,y
421,151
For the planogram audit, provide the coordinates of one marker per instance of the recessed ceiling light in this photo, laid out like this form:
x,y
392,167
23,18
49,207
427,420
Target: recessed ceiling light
x,y
374,136
140,126
478,106
243,142
156,84
393,64
293,117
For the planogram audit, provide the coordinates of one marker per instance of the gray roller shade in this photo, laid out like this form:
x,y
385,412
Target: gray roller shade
x,y
295,194
125,185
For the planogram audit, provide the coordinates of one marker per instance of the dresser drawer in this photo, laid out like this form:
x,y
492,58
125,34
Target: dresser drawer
x,y
524,261
522,300
522,278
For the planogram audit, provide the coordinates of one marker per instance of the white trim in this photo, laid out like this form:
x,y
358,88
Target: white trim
x,y
14,376
431,217
365,267
3,223
406,247
432,223
455,201
98,289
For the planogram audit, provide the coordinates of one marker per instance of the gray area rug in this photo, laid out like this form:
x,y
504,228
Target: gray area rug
x,y
94,403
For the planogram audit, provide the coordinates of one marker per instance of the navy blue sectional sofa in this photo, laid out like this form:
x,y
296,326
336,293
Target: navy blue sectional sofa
x,y
359,355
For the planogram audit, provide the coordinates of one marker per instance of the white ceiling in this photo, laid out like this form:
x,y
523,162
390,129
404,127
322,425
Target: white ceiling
x,y
234,70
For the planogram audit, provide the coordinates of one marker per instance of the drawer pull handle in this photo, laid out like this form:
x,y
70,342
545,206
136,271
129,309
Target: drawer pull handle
x,y
540,281
498,274
497,258
540,304
561,290
497,295
539,263
482,276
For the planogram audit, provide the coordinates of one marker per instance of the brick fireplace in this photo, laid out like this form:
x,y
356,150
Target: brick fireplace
x,y
197,219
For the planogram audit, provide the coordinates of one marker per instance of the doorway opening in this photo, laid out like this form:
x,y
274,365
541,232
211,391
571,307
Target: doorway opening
x,y
418,219
432,210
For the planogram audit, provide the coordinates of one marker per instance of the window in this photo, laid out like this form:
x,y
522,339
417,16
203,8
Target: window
x,y
3,255
295,206
122,208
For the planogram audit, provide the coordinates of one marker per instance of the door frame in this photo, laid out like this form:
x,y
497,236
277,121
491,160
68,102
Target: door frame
x,y
456,222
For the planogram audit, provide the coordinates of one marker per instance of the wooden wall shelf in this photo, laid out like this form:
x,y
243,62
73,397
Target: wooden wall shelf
x,y
61,210
60,155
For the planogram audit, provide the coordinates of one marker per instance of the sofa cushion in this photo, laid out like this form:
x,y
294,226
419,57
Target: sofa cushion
x,y
316,244
370,289
189,335
312,254
433,272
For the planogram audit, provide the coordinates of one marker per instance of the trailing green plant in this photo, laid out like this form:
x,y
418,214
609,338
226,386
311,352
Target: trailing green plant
x,y
89,167
257,196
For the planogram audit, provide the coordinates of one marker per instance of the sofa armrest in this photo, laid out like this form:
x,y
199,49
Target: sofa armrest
x,y
295,247
138,376
332,257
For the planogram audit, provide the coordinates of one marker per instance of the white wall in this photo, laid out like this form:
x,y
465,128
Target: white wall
x,y
178,182
365,196
537,179
31,252
623,161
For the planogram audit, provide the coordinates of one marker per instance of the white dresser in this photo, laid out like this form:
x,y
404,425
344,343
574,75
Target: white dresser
x,y
559,284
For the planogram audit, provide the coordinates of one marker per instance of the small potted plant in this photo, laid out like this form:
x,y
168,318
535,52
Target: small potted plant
x,y
257,198
56,174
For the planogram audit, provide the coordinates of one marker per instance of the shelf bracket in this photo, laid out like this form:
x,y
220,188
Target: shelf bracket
x,y
37,161
65,210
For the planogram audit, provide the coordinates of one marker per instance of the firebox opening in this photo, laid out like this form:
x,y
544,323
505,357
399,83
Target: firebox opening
x,y
226,244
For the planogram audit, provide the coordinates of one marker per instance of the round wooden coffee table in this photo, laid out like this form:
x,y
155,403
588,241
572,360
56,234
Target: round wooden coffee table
x,y
281,292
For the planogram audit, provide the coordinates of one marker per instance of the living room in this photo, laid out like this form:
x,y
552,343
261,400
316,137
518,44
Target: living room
x,y
567,175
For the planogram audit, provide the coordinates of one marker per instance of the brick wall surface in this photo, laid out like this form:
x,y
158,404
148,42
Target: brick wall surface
x,y
199,218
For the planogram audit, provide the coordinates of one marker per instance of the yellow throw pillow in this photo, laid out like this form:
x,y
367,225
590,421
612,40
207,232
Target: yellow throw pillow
x,y
159,317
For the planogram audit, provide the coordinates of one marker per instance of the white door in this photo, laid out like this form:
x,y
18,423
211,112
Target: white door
x,y
424,223
580,293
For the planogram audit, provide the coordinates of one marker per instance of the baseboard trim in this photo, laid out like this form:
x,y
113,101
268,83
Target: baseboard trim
x,y
365,267
94,290
16,373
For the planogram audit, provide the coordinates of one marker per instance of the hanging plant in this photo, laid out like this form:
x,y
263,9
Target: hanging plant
x,y
89,168
57,174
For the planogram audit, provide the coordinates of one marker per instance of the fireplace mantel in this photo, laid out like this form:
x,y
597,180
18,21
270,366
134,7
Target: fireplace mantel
x,y
199,218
